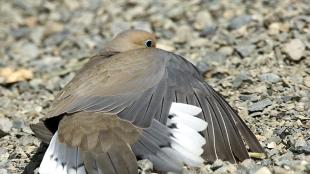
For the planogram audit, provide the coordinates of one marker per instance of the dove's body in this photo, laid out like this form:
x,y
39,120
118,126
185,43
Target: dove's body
x,y
123,98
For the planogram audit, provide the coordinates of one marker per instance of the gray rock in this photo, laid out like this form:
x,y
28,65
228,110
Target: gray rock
x,y
260,106
4,101
208,31
24,51
56,39
270,77
211,59
202,66
301,149
37,35
215,58
20,32
18,124
245,49
295,49
242,77
251,97
239,21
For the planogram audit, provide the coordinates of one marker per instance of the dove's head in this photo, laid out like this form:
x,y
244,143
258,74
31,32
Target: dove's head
x,y
130,40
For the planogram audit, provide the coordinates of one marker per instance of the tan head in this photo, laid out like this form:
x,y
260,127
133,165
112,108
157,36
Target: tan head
x,y
130,40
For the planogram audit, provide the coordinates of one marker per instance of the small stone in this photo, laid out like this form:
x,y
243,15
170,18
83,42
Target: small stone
x,y
3,171
5,124
56,38
245,49
260,106
142,25
217,164
239,21
208,31
4,101
53,27
271,145
18,124
226,50
263,170
307,81
37,34
119,26
251,97
11,76
203,19
242,77
211,59
145,165
295,49
26,52
20,32
248,163
228,168
183,34
274,28
270,77
279,170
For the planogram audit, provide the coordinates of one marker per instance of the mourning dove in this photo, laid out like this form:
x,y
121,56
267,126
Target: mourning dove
x,y
134,101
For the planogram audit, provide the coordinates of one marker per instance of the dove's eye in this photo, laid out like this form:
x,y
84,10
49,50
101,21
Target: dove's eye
x,y
148,43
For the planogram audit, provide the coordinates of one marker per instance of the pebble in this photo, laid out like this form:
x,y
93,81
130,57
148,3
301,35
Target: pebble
x,y
211,59
307,81
239,21
3,171
295,49
145,166
5,124
183,34
270,77
263,170
251,97
271,145
25,51
203,19
208,31
20,32
217,164
260,105
242,77
245,49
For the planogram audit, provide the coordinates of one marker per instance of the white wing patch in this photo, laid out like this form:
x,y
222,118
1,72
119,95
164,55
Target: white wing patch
x,y
186,141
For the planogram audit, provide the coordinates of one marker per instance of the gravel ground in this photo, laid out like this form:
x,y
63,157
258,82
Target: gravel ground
x,y
256,53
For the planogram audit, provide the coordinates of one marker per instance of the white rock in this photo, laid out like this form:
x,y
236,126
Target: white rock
x,y
263,170
295,49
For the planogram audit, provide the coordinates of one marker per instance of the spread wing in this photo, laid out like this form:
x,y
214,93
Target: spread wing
x,y
140,86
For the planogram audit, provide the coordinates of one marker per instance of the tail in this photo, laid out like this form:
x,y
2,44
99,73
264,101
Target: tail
x,y
62,159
